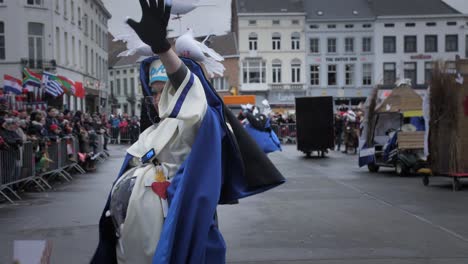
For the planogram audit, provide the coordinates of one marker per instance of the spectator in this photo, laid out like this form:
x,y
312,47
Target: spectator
x,y
7,132
51,118
36,128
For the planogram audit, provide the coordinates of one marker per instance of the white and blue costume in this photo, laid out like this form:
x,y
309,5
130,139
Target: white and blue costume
x,y
207,164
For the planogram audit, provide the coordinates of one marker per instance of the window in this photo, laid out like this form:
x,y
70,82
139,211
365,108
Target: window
x,y
410,71
428,71
331,26
314,45
349,26
252,22
57,6
132,86
367,44
92,29
124,72
314,26
117,72
389,73
410,44
431,24
254,71
92,62
57,45
96,33
296,71
35,44
451,43
331,45
389,44
349,45
315,75
367,25
466,46
65,42
430,43
276,22
65,7
220,84
389,25
253,41
125,86
79,17
367,74
295,22
276,71
80,60
451,23
119,90
295,41
86,59
132,70
349,74
34,2
111,83
410,24
2,41
332,74
72,7
276,41
85,20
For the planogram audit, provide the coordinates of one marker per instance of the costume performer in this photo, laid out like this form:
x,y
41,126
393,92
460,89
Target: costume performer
x,y
259,127
162,206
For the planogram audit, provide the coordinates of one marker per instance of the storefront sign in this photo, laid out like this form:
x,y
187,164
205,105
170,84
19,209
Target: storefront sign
x,y
421,57
341,59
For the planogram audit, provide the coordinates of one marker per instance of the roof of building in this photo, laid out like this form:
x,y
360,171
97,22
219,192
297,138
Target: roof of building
x,y
270,6
410,7
338,9
127,60
225,45
115,47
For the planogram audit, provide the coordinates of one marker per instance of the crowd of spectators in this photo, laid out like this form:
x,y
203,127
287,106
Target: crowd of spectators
x,y
43,128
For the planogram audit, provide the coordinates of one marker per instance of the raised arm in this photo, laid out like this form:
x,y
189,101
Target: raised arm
x,y
152,30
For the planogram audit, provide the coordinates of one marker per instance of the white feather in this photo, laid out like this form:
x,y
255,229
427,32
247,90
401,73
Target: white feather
x,y
187,46
133,42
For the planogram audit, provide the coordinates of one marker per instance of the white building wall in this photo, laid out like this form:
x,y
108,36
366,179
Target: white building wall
x,y
420,30
265,29
16,14
341,58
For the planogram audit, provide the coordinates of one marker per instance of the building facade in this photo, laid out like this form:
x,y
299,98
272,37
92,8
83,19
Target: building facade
x,y
349,47
272,50
65,37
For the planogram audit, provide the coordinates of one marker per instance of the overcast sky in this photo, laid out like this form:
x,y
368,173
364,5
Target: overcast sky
x,y
204,20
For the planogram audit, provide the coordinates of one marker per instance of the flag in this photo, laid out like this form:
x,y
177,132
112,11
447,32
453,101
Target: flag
x,y
79,90
11,84
68,85
31,80
52,84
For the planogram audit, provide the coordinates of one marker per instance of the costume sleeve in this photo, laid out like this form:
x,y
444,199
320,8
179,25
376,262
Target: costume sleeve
x,y
186,102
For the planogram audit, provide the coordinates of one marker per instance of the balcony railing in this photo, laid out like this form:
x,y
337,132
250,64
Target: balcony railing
x,y
39,65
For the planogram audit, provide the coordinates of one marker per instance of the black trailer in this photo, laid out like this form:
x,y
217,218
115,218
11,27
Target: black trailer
x,y
314,118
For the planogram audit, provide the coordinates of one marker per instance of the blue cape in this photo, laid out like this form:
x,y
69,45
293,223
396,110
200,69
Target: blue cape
x,y
221,168
267,140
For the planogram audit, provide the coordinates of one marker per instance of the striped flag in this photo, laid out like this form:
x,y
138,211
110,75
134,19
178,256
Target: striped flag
x,y
52,84
68,85
11,84
31,80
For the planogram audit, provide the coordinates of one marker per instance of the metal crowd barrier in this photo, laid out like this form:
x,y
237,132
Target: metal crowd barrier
x,y
18,165
285,132
124,135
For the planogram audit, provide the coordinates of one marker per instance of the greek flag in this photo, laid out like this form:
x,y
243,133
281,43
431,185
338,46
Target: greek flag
x,y
52,84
